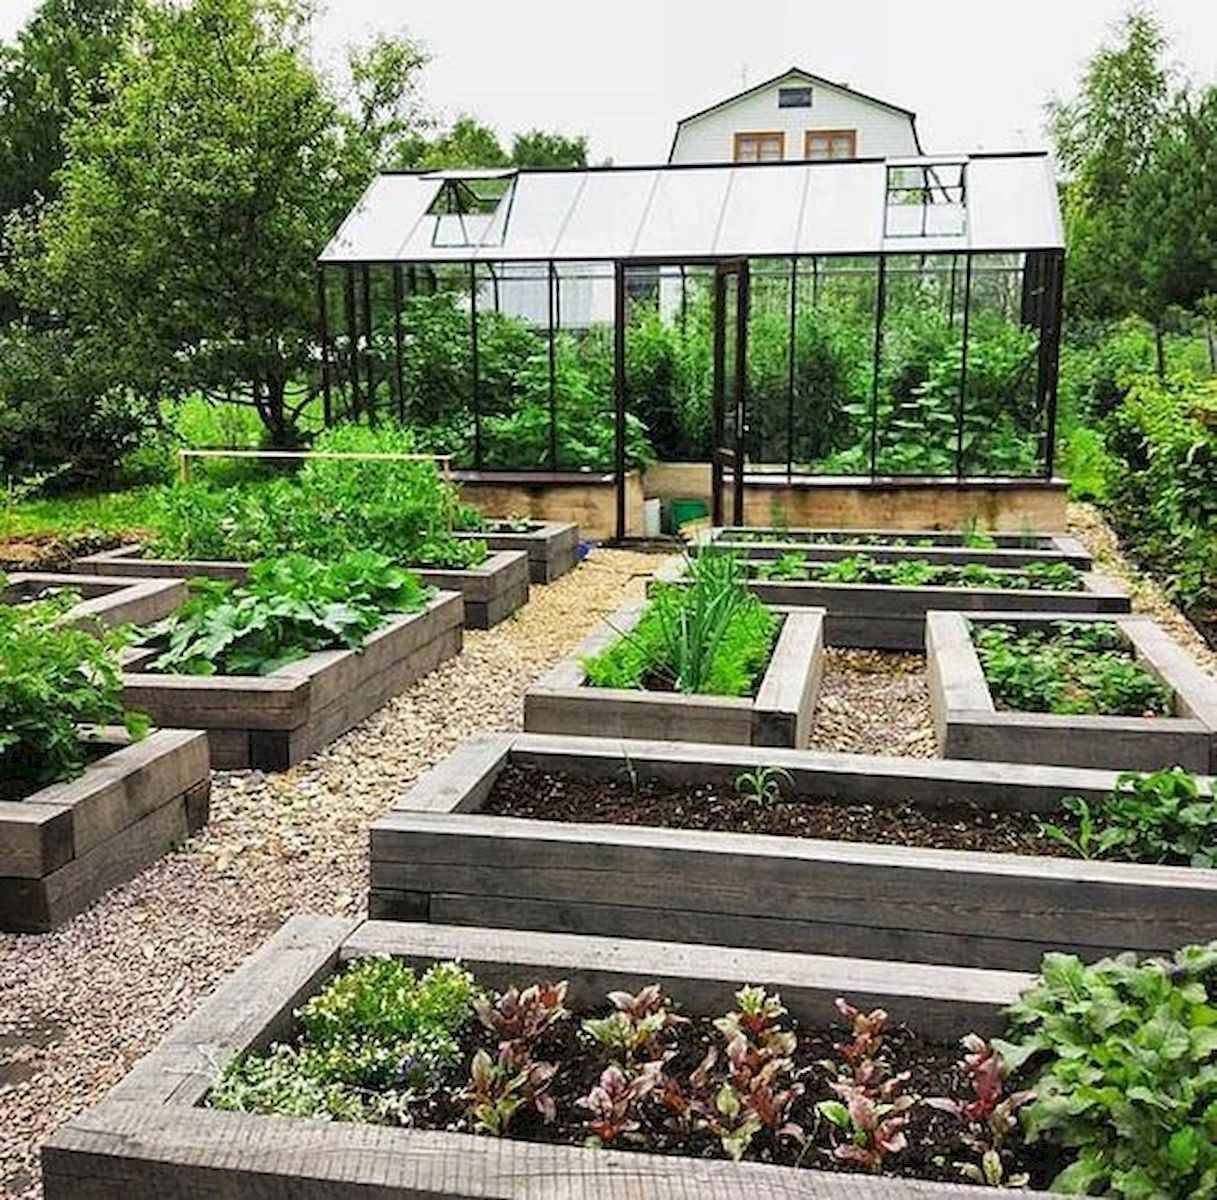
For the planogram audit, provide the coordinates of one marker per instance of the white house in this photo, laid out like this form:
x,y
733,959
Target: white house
x,y
796,115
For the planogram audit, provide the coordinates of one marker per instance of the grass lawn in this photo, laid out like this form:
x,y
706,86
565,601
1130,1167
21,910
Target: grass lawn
x,y
109,512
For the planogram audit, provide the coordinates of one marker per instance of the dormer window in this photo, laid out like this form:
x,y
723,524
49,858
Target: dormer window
x,y
794,97
471,209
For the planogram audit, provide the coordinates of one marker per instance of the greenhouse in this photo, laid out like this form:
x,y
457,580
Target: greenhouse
x,y
867,320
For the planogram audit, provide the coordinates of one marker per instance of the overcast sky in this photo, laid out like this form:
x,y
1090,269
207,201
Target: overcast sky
x,y
977,72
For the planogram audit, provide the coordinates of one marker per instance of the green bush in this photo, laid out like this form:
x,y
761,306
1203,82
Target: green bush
x,y
54,678
290,608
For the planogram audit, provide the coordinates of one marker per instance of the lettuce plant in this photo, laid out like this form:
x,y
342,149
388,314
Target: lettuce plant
x,y
633,1031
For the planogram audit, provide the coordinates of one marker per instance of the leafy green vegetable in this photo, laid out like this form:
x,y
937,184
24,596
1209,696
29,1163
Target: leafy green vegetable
x,y
1162,817
375,1037
917,572
291,607
1120,1056
711,637
54,678
1068,667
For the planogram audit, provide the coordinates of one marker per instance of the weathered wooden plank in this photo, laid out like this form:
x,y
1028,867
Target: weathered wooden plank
x,y
122,1151
552,547
251,1008
938,1001
35,839
105,600
1024,898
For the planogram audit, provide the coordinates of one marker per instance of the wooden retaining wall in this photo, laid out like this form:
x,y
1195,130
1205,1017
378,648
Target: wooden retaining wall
x,y
106,600
148,1140
552,547
435,857
66,845
273,721
780,713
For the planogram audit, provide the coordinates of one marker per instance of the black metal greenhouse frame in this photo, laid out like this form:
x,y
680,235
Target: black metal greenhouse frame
x,y
1043,284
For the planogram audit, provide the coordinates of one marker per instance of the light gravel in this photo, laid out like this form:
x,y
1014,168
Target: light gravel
x,y
80,1005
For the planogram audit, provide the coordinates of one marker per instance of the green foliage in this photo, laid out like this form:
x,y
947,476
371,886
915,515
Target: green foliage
x,y
861,568
1163,486
374,1038
1163,817
536,148
54,678
709,637
1068,667
291,607
405,510
1120,1056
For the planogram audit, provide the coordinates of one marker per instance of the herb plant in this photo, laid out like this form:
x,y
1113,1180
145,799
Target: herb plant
x,y
290,608
53,679
709,637
1068,667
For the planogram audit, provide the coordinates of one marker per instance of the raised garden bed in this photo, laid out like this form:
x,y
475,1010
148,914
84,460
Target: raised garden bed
x,y
493,590
779,714
552,546
104,599
271,722
604,862
152,1138
897,545
65,845
970,723
883,616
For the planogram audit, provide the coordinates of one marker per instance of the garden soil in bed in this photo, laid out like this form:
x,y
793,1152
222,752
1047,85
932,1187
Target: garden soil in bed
x,y
529,792
934,1142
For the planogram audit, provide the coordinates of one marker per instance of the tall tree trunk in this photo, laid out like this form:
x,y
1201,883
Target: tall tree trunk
x,y
1211,338
280,430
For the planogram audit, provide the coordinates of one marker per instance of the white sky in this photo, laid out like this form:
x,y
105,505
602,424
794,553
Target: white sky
x,y
977,72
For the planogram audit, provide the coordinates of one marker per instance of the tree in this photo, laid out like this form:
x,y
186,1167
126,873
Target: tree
x,y
536,148
1104,138
182,247
468,143
1174,198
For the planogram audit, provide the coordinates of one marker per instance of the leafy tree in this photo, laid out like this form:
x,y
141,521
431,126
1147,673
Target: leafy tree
x,y
1174,239
56,68
536,148
468,143
182,247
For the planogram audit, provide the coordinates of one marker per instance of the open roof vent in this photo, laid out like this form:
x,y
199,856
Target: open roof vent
x,y
470,209
926,199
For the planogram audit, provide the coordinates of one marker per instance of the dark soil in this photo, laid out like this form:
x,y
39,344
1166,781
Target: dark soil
x,y
52,551
523,791
935,1138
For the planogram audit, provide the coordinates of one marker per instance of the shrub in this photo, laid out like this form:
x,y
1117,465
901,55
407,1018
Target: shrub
x,y
54,678
290,608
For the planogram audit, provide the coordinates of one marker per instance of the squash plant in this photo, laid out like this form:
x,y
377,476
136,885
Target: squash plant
x,y
290,608
53,679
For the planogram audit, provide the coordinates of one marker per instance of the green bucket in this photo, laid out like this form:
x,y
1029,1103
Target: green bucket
x,y
680,512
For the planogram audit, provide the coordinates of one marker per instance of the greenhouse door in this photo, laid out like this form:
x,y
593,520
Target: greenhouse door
x,y
730,391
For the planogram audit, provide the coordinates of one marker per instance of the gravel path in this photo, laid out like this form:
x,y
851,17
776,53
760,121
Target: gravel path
x,y
874,702
79,1006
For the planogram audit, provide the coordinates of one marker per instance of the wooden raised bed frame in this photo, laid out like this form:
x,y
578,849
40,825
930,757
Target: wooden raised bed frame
x,y
66,845
493,590
969,724
948,548
778,715
552,546
884,616
104,600
271,722
435,857
149,1139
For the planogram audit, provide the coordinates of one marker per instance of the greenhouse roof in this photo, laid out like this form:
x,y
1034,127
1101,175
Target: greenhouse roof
x,y
690,213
